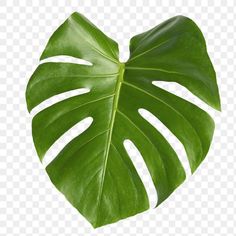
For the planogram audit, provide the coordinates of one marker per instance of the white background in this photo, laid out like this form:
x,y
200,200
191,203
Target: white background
x,y
30,204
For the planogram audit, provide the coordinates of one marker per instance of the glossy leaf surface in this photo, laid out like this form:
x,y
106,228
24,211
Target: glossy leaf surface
x,y
94,170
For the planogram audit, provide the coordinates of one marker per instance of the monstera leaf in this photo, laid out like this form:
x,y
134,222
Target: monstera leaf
x,y
93,170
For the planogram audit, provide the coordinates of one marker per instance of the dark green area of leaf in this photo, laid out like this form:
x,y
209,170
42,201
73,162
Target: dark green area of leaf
x,y
94,170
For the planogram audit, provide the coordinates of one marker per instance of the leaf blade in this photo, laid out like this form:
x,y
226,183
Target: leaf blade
x,y
94,171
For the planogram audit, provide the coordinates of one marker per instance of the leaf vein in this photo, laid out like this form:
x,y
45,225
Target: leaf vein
x,y
171,107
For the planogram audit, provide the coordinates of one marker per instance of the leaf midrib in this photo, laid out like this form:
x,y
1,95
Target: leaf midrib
x,y
108,142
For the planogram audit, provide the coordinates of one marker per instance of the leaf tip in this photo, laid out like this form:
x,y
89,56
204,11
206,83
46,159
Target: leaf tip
x,y
218,106
73,15
27,99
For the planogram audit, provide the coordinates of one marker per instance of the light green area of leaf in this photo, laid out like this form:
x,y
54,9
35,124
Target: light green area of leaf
x,y
94,171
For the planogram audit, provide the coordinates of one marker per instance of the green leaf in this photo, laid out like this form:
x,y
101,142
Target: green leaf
x,y
94,170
